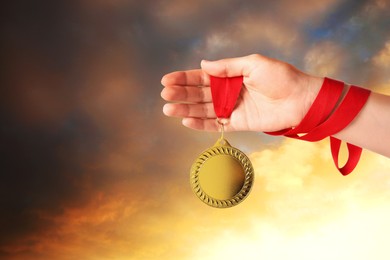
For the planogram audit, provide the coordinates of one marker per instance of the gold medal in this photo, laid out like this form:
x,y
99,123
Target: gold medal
x,y
222,176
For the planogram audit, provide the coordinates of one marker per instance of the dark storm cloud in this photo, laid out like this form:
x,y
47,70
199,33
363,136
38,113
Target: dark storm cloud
x,y
80,109
47,137
37,173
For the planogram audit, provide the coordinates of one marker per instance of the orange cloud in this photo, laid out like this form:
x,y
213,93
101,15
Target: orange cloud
x,y
382,59
299,203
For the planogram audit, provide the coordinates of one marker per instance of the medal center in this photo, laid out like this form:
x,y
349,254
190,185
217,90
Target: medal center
x,y
222,177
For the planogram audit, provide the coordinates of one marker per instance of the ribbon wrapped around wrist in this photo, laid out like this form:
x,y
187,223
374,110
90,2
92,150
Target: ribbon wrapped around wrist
x,y
323,120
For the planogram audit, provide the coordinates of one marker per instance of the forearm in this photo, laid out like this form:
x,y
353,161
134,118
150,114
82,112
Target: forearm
x,y
371,128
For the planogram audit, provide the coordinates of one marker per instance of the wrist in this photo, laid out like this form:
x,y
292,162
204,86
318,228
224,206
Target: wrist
x,y
312,85
332,110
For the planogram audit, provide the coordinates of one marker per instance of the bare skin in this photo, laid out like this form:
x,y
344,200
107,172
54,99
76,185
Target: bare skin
x,y
275,96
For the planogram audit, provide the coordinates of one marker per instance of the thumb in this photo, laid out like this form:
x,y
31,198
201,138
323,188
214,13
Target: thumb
x,y
231,67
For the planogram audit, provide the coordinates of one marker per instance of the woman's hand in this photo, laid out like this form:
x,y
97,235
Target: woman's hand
x,y
275,94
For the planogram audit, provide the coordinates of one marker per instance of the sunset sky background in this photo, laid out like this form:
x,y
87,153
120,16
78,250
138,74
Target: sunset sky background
x,y
92,169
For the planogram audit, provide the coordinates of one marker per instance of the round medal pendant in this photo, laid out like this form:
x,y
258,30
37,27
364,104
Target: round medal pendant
x,y
222,176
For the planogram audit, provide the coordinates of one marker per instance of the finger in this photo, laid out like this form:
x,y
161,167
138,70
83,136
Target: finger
x,y
205,110
208,124
187,94
231,67
186,78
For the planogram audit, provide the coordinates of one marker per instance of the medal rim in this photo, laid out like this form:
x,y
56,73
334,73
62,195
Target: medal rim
x,y
216,150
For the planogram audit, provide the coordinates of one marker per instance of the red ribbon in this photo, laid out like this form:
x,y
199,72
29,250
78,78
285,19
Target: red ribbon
x,y
320,122
225,92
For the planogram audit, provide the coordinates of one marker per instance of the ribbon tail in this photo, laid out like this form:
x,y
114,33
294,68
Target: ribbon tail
x,y
354,153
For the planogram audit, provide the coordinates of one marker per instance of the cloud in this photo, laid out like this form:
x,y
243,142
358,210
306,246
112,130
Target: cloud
x,y
92,169
310,208
325,59
219,29
382,59
380,67
298,201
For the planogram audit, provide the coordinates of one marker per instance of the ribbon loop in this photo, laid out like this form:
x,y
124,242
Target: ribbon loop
x,y
225,92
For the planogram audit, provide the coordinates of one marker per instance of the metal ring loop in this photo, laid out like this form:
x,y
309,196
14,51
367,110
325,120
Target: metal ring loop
x,y
222,122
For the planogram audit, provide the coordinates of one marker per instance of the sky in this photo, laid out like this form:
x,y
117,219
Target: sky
x,y
92,169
